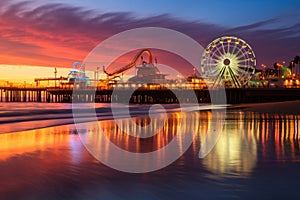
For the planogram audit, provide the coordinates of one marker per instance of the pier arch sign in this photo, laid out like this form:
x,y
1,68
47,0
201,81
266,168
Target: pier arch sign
x,y
120,159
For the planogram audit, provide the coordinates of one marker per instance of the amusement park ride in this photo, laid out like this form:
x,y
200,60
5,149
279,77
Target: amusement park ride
x,y
146,73
227,61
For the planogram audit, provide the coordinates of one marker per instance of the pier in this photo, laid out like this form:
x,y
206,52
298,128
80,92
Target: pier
x,y
23,94
150,86
145,95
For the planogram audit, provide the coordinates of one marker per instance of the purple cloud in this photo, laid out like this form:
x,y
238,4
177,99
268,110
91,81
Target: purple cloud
x,y
60,34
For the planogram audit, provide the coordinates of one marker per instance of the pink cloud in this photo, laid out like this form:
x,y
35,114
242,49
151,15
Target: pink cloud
x,y
58,34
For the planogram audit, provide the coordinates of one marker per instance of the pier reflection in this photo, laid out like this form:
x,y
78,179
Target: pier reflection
x,y
249,137
278,133
246,138
51,139
235,154
125,133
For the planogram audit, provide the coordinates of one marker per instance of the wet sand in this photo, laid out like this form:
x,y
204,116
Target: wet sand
x,y
256,158
288,107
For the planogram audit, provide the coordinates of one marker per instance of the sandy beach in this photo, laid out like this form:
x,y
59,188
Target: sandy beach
x,y
288,107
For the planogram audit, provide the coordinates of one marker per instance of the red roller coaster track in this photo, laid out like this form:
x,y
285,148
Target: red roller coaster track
x,y
130,65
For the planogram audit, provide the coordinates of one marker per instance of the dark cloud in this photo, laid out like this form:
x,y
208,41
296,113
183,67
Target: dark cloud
x,y
63,31
253,26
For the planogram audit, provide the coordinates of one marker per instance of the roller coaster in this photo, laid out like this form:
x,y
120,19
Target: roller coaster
x,y
132,64
146,73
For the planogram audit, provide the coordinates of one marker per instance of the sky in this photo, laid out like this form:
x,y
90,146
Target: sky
x,y
56,33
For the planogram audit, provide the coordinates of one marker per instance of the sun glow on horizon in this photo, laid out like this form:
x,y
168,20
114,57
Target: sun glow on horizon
x,y
29,72
21,73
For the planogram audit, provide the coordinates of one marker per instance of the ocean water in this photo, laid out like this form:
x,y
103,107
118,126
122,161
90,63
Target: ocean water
x,y
42,155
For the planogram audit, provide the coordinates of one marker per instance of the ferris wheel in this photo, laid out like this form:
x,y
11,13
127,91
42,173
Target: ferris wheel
x,y
228,61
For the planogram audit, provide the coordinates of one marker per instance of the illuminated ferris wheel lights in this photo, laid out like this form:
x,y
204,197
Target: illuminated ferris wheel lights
x,y
230,63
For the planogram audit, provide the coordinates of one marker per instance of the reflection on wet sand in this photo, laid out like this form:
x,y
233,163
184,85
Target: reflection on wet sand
x,y
18,143
113,143
122,131
280,131
236,152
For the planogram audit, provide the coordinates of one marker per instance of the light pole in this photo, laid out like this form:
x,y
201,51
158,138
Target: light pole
x,y
98,73
55,74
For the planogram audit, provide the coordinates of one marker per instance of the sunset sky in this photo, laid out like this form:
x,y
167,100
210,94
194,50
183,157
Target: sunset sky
x,y
56,33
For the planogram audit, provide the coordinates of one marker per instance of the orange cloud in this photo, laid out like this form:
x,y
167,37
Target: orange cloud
x,y
59,34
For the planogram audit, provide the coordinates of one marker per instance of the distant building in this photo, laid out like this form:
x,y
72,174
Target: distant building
x,y
148,73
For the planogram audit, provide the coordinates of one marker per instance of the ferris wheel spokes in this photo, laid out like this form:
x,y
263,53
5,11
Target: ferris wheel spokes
x,y
229,61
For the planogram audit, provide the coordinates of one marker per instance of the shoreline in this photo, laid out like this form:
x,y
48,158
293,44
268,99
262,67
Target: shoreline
x,y
284,108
